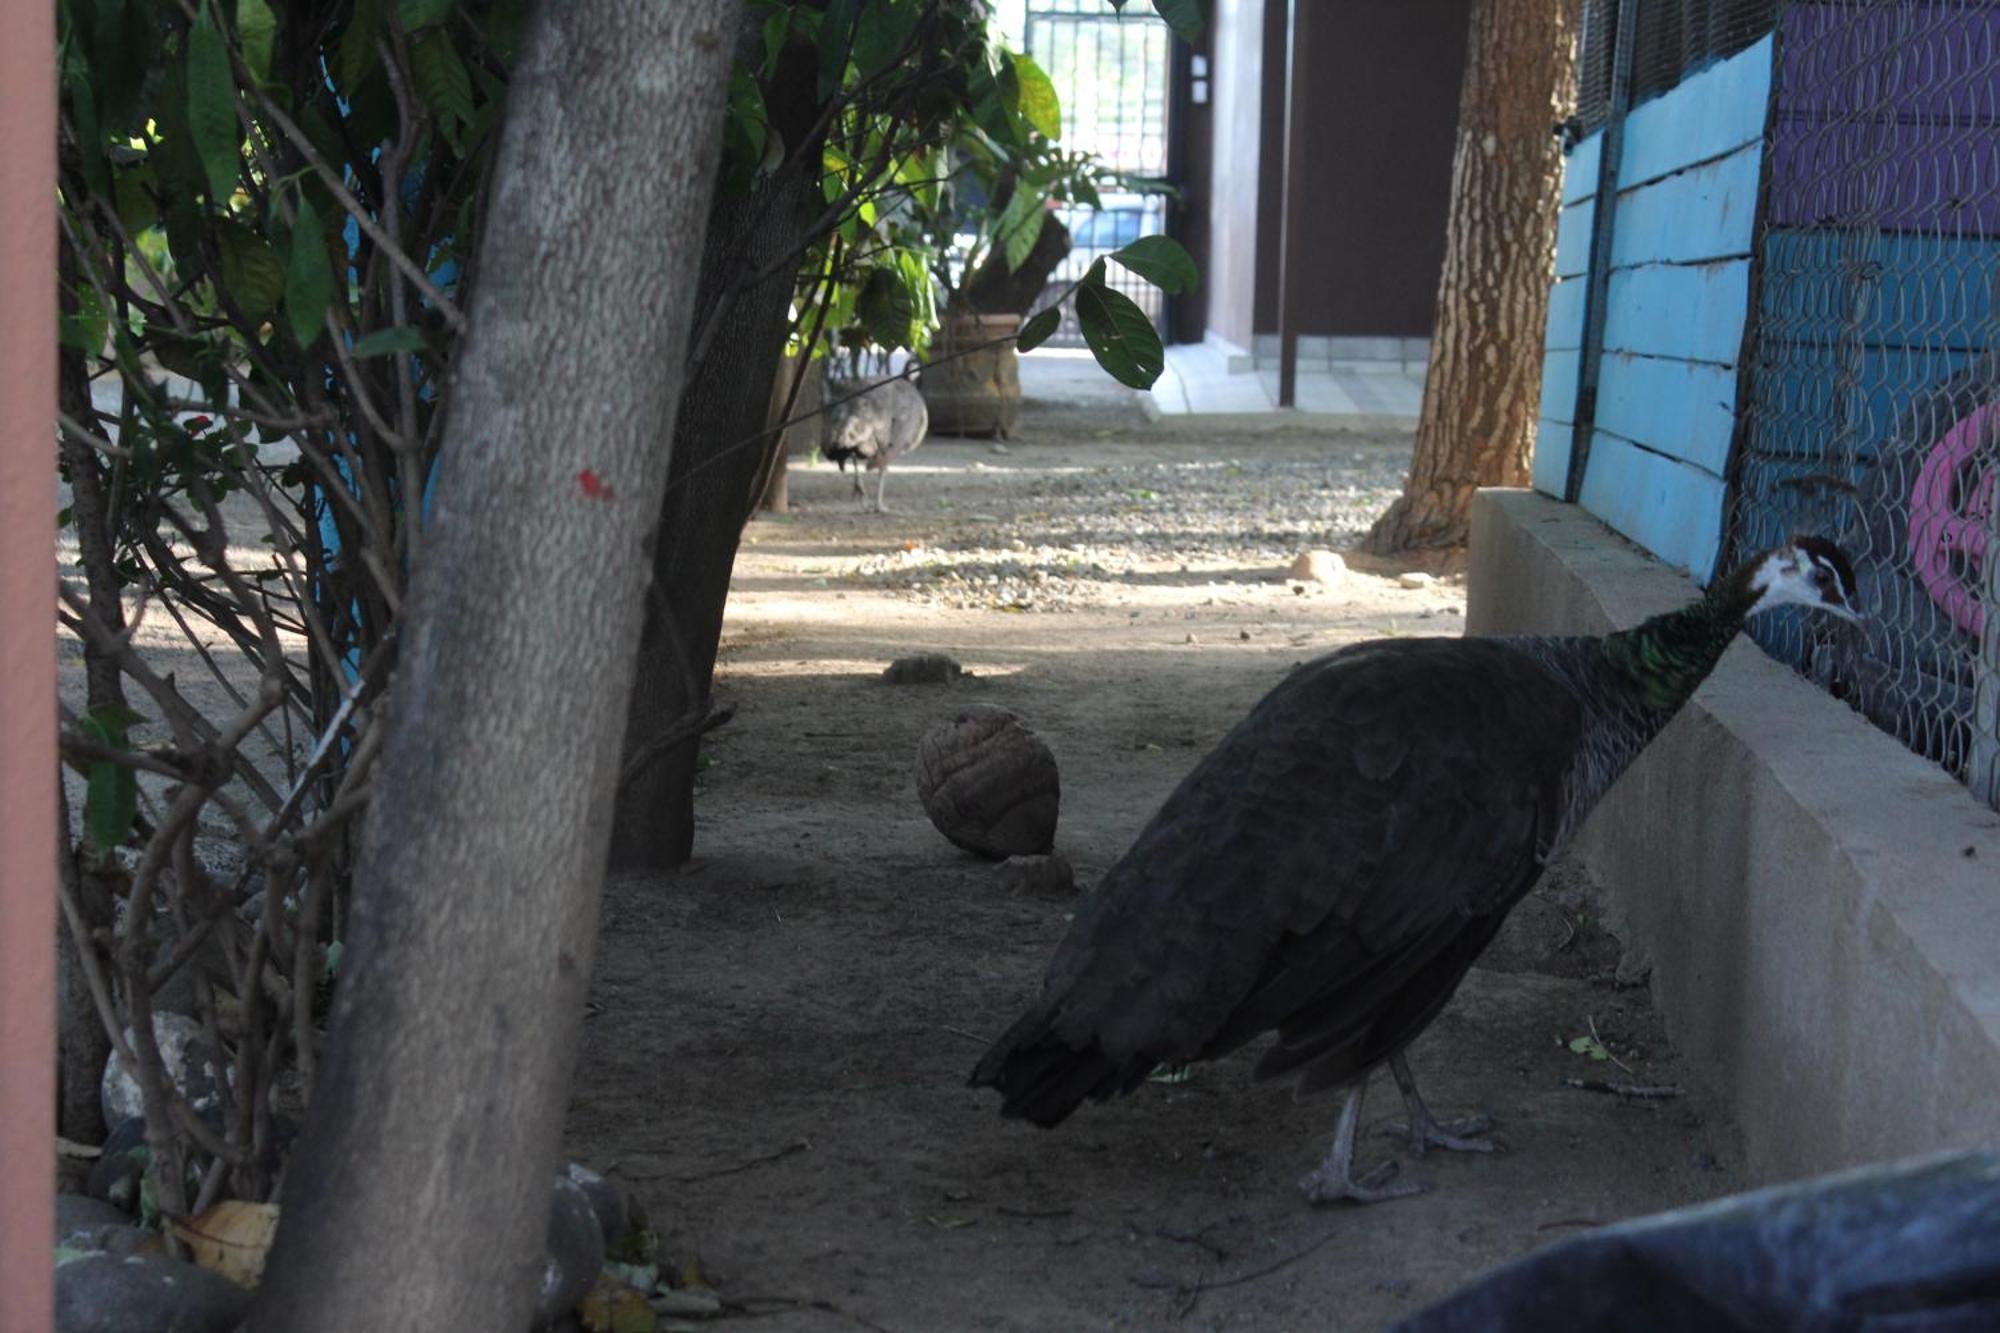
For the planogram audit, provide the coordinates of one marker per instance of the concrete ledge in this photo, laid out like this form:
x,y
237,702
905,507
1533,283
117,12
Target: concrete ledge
x,y
1821,908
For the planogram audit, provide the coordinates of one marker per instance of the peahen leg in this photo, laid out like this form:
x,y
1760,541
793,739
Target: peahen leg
x,y
881,484
1423,1130
1334,1178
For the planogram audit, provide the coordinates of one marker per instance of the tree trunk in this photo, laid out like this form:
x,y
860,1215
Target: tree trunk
x,y
1477,426
717,462
419,1197
82,1044
797,437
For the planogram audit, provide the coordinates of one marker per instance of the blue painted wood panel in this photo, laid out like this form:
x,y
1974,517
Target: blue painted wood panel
x,y
1679,408
1668,507
1883,290
1559,372
1580,169
1552,449
1573,227
1686,311
1714,113
1808,392
1705,212
1565,328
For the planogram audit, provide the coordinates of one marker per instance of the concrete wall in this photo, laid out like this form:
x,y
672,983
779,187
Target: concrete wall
x,y
1820,907
1236,122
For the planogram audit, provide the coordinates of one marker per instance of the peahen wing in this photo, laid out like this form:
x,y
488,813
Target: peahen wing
x,y
1373,817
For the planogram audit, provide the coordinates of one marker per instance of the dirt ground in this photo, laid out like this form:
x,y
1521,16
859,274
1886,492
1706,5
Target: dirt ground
x,y
777,1055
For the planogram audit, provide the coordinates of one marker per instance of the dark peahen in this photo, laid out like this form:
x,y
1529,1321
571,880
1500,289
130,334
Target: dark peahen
x,y
1332,869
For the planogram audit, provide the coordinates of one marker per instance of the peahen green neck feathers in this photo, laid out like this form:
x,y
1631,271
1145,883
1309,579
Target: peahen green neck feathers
x,y
1665,659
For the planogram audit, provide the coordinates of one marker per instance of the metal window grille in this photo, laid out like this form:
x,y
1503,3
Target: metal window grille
x,y
1872,409
1113,72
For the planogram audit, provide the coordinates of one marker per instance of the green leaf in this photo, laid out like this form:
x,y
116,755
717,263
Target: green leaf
x,y
250,270
1039,329
211,109
111,792
989,101
356,55
1020,225
885,308
257,29
89,135
1039,103
880,32
85,329
308,275
1122,339
441,79
418,14
382,342
1161,262
1186,17
836,44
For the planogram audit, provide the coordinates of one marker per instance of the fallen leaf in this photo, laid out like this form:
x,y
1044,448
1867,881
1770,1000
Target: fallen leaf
x,y
232,1238
613,1307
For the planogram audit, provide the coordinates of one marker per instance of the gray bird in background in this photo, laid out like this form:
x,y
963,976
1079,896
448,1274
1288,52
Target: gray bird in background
x,y
878,422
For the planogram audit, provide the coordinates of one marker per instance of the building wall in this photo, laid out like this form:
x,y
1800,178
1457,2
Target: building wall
x,y
1236,120
1382,122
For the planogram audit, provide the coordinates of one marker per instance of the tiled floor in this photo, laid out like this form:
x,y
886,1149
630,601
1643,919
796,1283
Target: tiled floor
x,y
1198,383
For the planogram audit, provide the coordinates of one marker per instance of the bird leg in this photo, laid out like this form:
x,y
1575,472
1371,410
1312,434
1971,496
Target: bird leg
x,y
881,484
1334,1178
860,491
1423,1130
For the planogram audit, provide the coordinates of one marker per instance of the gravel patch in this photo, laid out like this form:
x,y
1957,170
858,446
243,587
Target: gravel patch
x,y
1084,537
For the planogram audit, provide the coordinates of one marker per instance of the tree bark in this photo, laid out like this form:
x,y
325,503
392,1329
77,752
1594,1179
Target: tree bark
x,y
717,461
82,1044
1477,426
420,1194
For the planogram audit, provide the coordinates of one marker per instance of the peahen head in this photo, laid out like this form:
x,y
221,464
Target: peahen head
x,y
1806,571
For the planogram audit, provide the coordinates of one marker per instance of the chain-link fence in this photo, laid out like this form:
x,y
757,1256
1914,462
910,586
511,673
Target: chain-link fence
x,y
1671,39
1872,404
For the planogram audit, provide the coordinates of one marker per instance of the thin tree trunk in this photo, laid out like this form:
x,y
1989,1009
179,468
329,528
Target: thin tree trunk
x,y
420,1195
713,486
1477,426
82,1044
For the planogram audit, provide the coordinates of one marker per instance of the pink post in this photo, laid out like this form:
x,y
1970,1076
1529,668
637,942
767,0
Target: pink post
x,y
27,660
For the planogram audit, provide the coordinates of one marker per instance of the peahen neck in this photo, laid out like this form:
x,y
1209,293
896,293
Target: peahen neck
x,y
1663,661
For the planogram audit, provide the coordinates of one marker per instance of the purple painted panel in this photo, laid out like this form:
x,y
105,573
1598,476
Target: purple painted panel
x,y
1898,176
1929,58
1889,115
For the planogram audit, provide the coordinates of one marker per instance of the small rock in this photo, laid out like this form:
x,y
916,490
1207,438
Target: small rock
x,y
613,1209
114,1176
98,1293
1191,639
1243,634
576,1253
922,669
194,1066
78,1212
1038,876
1416,578
1317,566
997,448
